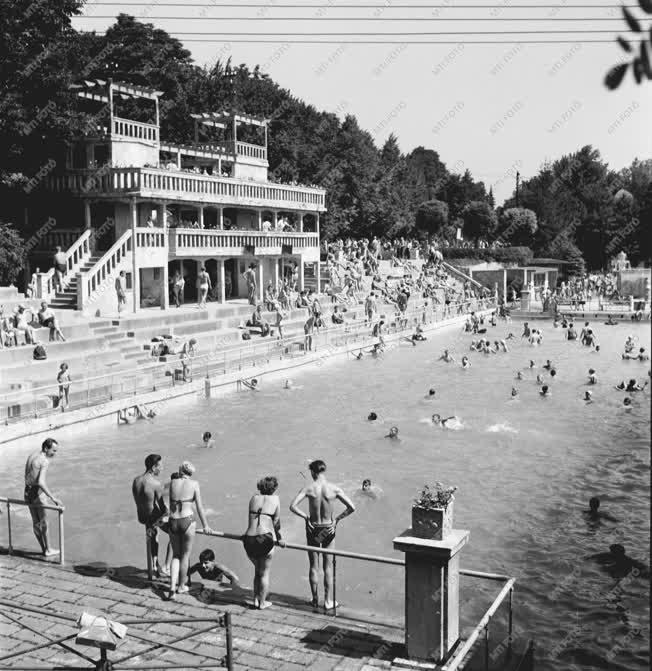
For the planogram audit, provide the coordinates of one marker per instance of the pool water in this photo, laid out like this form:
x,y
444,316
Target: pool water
x,y
525,470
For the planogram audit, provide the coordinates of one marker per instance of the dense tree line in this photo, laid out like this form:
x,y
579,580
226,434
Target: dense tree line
x,y
570,208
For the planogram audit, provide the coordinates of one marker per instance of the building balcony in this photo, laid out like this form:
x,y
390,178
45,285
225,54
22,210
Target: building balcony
x,y
177,186
189,242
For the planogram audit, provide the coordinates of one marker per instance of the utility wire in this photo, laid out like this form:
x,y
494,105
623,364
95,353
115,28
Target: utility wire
x,y
398,34
331,6
356,18
410,42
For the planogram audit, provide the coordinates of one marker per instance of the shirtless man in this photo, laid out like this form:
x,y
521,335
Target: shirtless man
x,y
320,526
147,491
37,492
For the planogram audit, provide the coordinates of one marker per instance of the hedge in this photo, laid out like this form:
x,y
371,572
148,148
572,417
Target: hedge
x,y
518,255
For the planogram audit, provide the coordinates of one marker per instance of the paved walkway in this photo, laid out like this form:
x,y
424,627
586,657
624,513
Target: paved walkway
x,y
287,637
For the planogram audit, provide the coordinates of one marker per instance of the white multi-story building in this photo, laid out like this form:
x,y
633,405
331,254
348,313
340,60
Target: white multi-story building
x,y
152,208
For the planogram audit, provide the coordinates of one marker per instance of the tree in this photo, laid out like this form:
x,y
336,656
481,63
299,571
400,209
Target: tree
x,y
432,217
12,253
518,226
479,220
641,64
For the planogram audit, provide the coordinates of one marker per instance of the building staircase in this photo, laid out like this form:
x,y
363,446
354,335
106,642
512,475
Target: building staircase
x,y
67,299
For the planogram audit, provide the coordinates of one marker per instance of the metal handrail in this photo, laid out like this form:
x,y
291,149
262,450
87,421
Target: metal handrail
x,y
247,350
460,655
224,620
19,502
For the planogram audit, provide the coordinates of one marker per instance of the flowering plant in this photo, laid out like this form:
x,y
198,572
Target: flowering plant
x,y
436,497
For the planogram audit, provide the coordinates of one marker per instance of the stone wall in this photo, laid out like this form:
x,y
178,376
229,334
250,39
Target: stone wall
x,y
633,282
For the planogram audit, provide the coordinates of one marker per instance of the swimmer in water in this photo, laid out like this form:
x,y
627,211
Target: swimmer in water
x,y
519,375
532,364
447,357
545,390
473,346
207,439
631,386
393,433
251,384
514,392
444,423
553,372
526,331
587,397
593,378
548,364
370,490
571,334
510,336
372,416
359,355
431,394
643,355
618,564
465,362
503,344
539,379
593,513
627,403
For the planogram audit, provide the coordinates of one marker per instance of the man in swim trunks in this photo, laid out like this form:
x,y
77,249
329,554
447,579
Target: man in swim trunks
x,y
147,491
526,331
37,493
320,526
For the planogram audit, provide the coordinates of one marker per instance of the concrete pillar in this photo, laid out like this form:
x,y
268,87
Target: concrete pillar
x,y
220,218
135,279
524,277
259,215
179,160
301,275
165,289
259,280
161,216
432,603
276,262
87,214
317,223
318,273
201,216
525,299
221,277
300,222
505,285
274,219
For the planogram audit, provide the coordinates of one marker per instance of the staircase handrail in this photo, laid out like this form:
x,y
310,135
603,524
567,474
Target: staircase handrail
x,y
110,258
456,271
78,252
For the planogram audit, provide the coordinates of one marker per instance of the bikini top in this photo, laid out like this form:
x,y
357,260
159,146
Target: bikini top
x,y
179,502
260,512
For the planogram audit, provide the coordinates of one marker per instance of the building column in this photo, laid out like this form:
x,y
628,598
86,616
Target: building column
x,y
179,160
201,216
276,262
221,278
301,274
317,224
525,277
274,219
318,272
135,279
505,286
259,214
260,279
220,218
87,214
301,222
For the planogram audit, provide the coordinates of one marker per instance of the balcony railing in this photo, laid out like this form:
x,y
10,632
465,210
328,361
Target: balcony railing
x,y
135,129
172,184
187,241
251,150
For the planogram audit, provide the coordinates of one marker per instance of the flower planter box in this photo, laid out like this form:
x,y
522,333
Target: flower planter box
x,y
432,523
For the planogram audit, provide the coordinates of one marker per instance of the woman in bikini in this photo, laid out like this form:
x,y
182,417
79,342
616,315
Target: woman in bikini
x,y
183,493
204,287
263,532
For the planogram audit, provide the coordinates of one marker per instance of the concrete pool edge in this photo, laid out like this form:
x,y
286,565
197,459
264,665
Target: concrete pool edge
x,y
36,426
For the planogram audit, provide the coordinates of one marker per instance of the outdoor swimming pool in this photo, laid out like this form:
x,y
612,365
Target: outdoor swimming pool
x,y
525,470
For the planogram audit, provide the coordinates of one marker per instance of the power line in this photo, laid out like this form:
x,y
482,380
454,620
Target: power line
x,y
330,6
398,34
356,18
385,42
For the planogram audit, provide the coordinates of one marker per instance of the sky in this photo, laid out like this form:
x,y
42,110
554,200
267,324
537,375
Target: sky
x,y
493,109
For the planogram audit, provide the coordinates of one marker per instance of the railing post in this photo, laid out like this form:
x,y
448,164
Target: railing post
x,y
486,647
11,547
229,641
510,629
148,548
334,586
61,540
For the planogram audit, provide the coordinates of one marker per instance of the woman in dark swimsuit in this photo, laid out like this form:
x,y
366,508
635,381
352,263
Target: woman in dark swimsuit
x,y
183,493
263,531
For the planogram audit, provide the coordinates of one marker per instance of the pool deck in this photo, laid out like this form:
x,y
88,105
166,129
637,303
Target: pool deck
x,y
287,637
